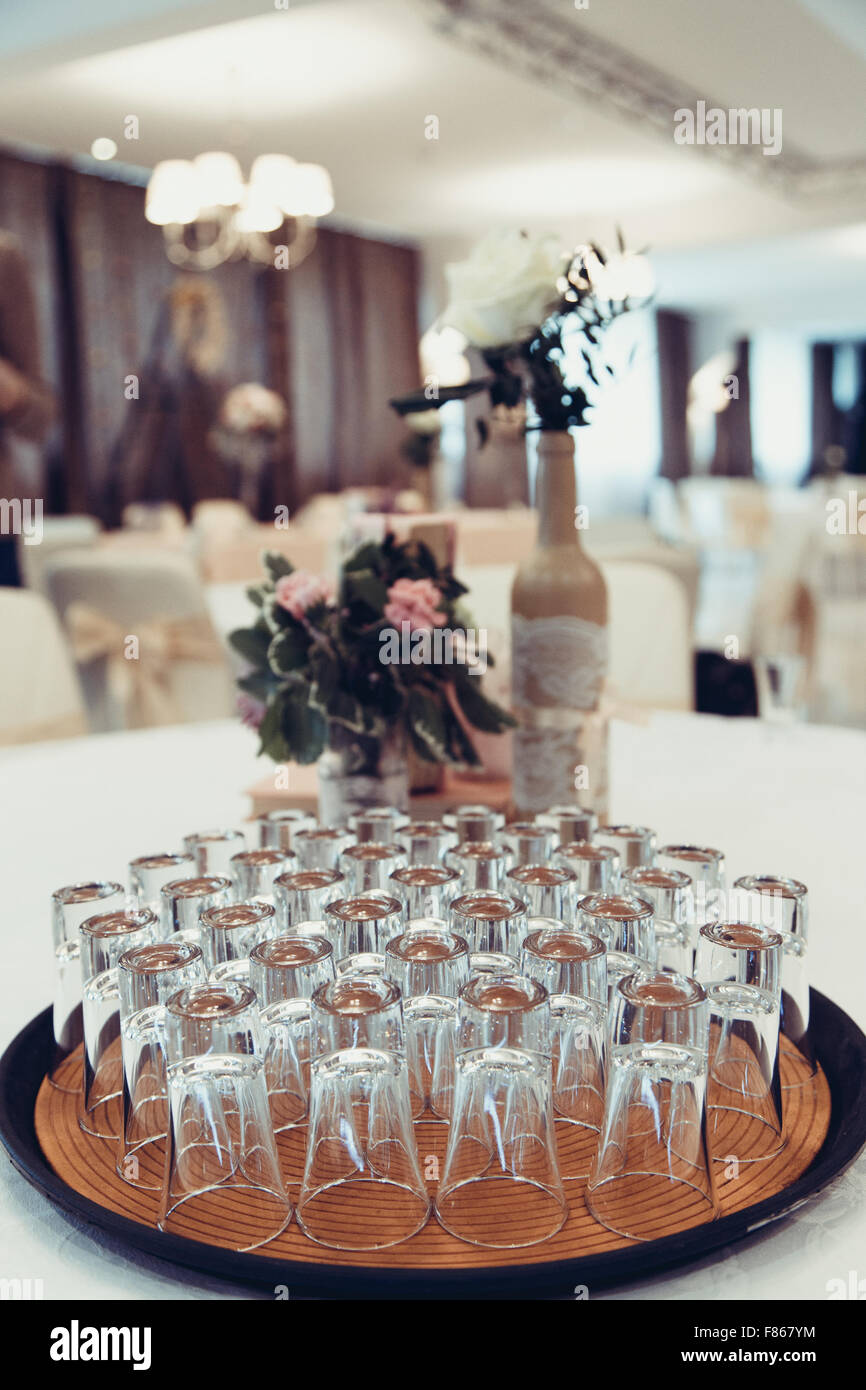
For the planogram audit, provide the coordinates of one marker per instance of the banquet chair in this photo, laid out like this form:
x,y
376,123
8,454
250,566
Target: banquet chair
x,y
40,697
221,517
140,630
59,533
153,516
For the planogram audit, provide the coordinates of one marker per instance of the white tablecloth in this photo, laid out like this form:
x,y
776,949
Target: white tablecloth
x,y
788,801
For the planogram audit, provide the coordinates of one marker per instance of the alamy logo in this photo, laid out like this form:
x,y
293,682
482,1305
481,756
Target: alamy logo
x,y
738,126
77,1343
21,517
438,646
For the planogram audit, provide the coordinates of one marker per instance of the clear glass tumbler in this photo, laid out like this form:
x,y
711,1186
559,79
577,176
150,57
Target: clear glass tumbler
x,y
622,920
595,867
706,868
104,939
364,924
430,966
635,844
254,872
149,874
501,1186
490,922
213,850
482,864
230,932
474,822
70,906
301,896
183,900
362,1187
147,977
382,824
526,842
426,890
549,890
285,973
741,966
321,847
672,897
569,823
222,1178
369,866
782,903
652,1172
277,829
426,841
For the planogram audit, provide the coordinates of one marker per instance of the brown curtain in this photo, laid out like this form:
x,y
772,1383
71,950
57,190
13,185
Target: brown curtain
x,y
828,427
674,334
733,455
336,337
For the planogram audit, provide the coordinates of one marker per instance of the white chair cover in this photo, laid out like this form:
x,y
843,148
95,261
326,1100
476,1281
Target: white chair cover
x,y
40,697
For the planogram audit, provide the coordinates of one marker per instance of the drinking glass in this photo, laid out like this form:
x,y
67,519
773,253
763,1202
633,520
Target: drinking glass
x,y
104,938
652,1165
549,890
321,848
526,842
222,1177
782,903
634,844
706,868
741,966
147,976
362,1187
671,895
70,906
149,874
426,890
595,867
285,972
490,922
364,924
369,866
302,896
254,871
482,864
619,965
185,899
277,829
429,966
230,932
213,850
382,824
622,920
474,822
491,963
572,967
426,841
501,1186
570,824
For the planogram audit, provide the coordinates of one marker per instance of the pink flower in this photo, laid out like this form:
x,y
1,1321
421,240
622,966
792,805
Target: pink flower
x,y
414,601
301,590
251,711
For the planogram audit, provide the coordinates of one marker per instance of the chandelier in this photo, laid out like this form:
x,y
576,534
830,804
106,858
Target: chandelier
x,y
209,215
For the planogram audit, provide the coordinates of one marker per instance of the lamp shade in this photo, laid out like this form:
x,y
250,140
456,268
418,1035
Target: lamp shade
x,y
220,181
172,193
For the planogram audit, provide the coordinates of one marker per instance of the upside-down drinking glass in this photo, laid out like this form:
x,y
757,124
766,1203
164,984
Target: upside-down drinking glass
x,y
254,872
429,966
230,932
321,847
549,890
426,841
652,1160
213,850
285,972
363,925
474,822
147,977
622,920
635,844
595,867
501,1186
369,866
104,939
783,904
382,824
482,864
362,1187
569,823
149,874
741,966
277,829
302,896
526,842
426,890
183,900
670,893
70,906
490,922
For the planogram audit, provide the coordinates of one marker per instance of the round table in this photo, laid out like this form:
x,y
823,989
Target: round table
x,y
785,800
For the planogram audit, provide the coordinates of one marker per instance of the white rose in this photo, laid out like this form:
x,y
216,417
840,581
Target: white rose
x,y
505,289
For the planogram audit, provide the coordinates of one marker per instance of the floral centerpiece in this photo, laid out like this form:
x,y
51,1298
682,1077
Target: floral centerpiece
x,y
353,677
249,423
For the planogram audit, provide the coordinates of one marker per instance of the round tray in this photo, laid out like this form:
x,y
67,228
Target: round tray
x,y
39,1129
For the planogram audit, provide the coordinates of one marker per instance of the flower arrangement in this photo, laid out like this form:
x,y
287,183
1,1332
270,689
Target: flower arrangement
x,y
252,409
325,666
513,299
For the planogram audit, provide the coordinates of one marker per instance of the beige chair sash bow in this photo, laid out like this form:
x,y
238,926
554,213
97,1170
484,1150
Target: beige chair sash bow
x,y
140,675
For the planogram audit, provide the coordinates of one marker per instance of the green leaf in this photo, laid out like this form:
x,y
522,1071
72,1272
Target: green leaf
x,y
427,727
367,557
255,595
481,713
304,727
261,684
273,740
366,587
252,644
288,651
277,565
463,752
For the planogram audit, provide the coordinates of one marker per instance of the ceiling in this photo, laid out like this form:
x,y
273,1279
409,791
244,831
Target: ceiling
x,y
548,115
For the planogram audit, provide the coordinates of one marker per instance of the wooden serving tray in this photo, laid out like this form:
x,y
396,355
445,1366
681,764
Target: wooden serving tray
x,y
826,1122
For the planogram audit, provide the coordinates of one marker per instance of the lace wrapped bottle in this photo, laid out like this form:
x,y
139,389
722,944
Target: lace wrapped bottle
x,y
558,650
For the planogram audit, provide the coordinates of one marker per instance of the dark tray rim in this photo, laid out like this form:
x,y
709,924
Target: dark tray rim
x,y
841,1049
